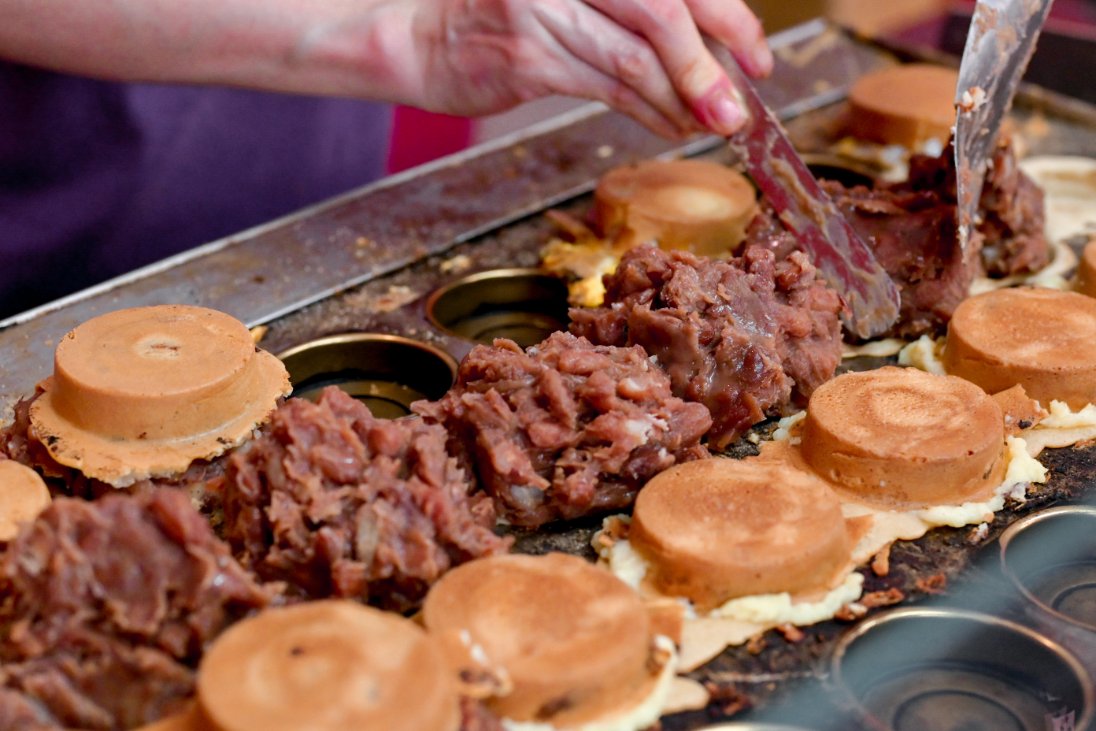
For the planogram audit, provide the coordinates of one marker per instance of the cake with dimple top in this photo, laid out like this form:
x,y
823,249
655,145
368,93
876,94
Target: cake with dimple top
x,y
144,392
697,205
718,529
1042,339
555,643
902,438
327,666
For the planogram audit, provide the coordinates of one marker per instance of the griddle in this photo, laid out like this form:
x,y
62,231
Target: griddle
x,y
366,261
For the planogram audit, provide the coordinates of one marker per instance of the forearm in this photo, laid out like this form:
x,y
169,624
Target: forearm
x,y
337,47
645,57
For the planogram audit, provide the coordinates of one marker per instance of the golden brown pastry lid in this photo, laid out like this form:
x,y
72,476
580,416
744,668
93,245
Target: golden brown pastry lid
x,y
143,392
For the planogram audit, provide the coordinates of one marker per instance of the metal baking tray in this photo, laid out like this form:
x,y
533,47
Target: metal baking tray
x,y
370,260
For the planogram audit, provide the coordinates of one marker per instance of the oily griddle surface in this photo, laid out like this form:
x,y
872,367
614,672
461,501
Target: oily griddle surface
x,y
779,678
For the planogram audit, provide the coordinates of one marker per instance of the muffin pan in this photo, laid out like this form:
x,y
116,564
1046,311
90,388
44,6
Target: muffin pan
x,y
385,372
1050,559
940,670
524,305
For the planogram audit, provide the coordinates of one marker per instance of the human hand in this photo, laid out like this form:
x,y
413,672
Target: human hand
x,y
646,58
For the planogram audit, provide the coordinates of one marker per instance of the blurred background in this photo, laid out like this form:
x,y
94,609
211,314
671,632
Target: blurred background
x,y
1064,61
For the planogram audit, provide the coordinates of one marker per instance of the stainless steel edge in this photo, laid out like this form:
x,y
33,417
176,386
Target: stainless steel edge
x,y
268,271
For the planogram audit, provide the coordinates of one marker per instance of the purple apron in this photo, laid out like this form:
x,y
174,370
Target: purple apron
x,y
98,178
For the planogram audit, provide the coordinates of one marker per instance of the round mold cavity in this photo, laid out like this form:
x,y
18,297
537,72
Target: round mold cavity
x,y
1051,559
524,305
833,167
943,670
384,372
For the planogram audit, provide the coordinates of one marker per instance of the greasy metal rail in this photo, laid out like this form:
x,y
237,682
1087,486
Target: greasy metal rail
x,y
274,269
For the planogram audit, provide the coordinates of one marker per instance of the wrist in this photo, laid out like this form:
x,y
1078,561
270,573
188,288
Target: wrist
x,y
361,49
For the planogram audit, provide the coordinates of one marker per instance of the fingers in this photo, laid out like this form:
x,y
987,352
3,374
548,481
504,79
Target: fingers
x,y
645,57
673,34
629,72
581,80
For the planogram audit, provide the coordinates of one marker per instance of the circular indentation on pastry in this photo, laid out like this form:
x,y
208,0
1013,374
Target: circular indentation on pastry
x,y
698,205
1042,339
904,105
385,372
23,495
1051,558
326,665
938,669
900,437
523,305
143,392
571,641
716,529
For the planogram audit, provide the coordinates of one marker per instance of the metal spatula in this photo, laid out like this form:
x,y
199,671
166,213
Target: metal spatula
x,y
999,45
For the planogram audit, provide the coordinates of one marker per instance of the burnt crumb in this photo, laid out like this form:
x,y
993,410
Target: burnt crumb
x,y
1024,423
553,707
850,612
884,598
978,534
296,651
935,584
726,700
756,644
469,676
791,633
880,563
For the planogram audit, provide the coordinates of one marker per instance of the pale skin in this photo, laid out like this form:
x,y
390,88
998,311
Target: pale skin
x,y
647,58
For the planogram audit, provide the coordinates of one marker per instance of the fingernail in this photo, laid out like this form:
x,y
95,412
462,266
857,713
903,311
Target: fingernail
x,y
719,111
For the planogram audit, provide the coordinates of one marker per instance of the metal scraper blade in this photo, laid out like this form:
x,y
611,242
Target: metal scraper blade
x,y
841,255
1000,42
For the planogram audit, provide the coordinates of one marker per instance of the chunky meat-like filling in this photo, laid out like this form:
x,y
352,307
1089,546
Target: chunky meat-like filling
x,y
911,227
339,503
202,481
1011,234
746,337
108,606
566,428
